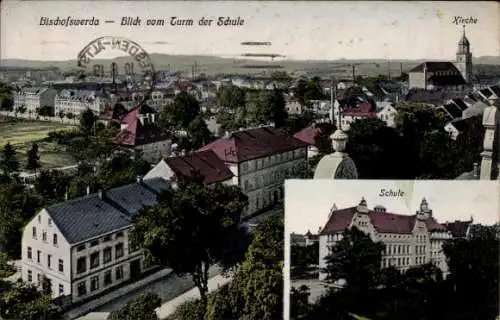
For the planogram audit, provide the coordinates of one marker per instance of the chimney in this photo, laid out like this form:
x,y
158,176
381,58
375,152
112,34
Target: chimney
x,y
88,190
100,193
139,179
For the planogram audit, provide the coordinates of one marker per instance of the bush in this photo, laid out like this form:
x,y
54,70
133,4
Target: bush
x,y
189,310
6,269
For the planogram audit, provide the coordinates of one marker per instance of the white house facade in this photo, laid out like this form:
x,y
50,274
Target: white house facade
x,y
81,247
260,160
77,101
34,98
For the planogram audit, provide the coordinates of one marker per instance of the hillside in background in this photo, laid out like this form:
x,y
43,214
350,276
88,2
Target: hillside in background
x,y
212,65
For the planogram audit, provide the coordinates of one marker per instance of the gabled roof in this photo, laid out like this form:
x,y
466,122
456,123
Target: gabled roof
x,y
92,215
254,143
435,66
458,228
135,133
117,112
435,96
383,222
462,124
309,133
365,109
206,163
453,110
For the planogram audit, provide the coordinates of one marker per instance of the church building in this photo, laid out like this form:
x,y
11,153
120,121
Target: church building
x,y
445,74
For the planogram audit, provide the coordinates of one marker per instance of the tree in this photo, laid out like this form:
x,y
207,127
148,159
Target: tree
x,y
181,112
189,231
9,162
52,185
273,107
6,103
87,121
260,277
474,269
376,150
61,115
299,301
356,259
198,134
142,308
256,291
33,159
24,301
282,77
422,129
231,97
17,206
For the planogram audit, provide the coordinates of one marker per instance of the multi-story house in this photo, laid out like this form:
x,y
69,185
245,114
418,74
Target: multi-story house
x,y
141,134
81,247
261,159
31,99
76,102
410,240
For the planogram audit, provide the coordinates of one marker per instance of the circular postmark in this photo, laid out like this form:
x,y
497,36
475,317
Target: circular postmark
x,y
132,83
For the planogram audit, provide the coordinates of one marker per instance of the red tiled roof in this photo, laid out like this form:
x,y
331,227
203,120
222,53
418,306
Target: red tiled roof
x,y
135,133
364,109
252,144
383,222
117,112
206,163
309,134
458,228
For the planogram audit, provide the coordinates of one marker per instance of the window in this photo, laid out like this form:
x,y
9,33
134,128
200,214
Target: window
x,y
119,251
61,289
94,283
119,234
34,232
81,265
54,239
49,258
39,278
119,273
50,222
107,278
94,260
106,239
245,167
38,256
30,256
61,265
80,248
94,243
106,255
30,276
82,288
39,219
44,236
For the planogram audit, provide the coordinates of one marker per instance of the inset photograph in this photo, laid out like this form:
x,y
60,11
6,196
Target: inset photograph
x,y
379,249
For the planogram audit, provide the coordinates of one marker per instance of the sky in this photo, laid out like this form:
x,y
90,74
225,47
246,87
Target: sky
x,y
308,202
298,30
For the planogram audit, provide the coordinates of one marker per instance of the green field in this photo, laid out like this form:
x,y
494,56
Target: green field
x,y
22,133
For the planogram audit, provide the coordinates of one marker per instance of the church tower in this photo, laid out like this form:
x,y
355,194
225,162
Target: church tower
x,y
464,58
